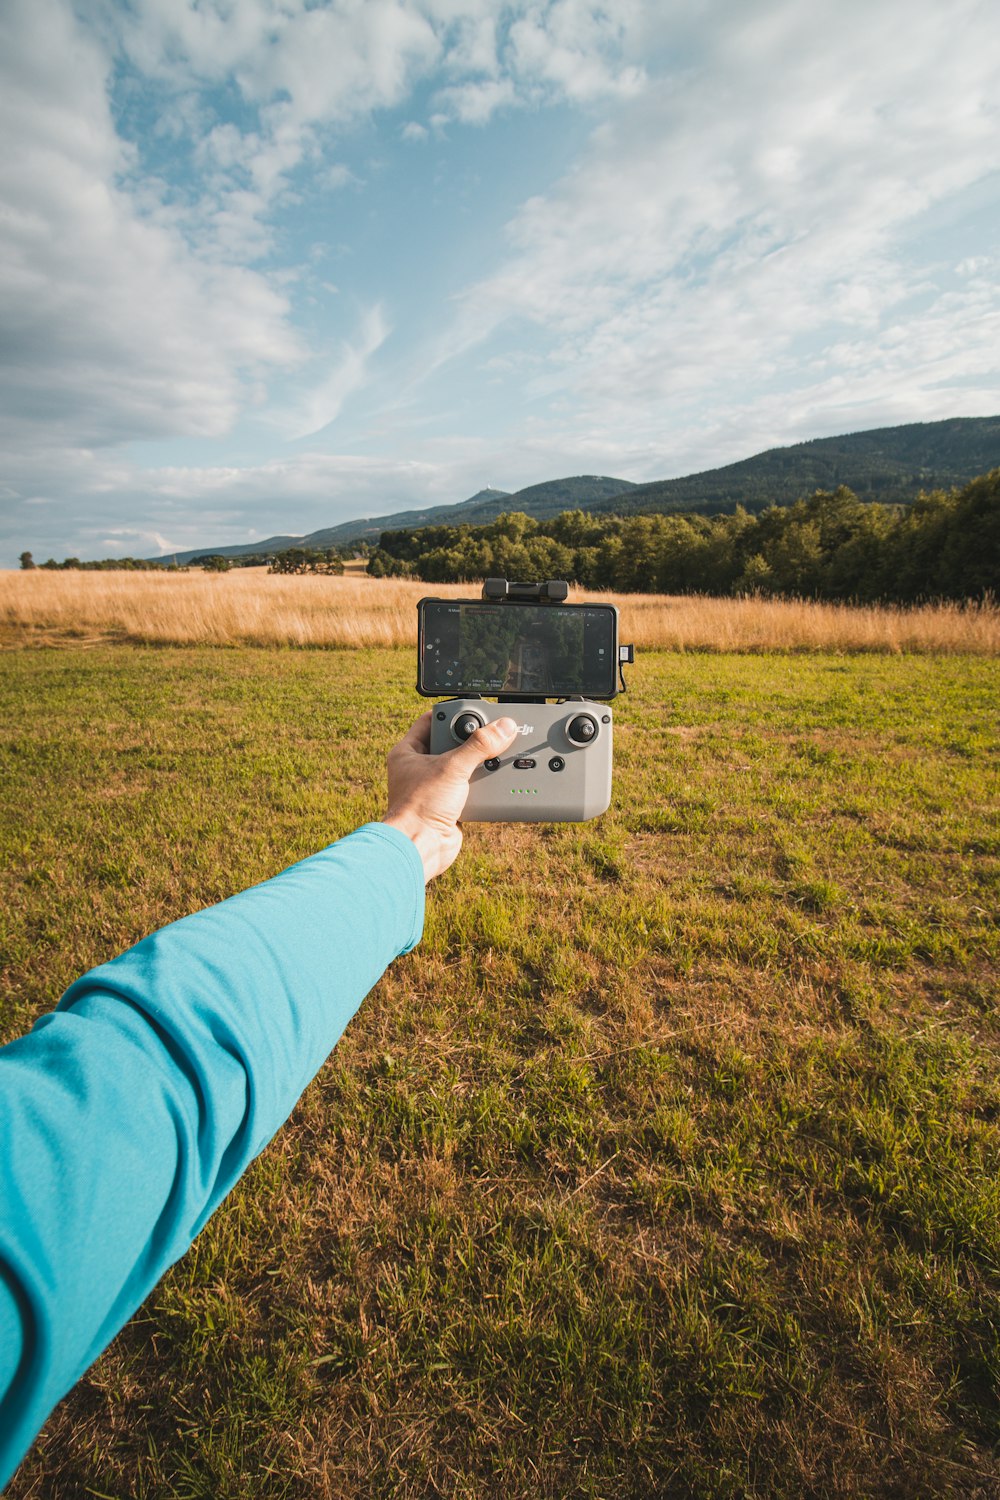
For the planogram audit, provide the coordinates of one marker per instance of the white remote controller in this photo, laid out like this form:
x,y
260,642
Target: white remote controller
x,y
557,771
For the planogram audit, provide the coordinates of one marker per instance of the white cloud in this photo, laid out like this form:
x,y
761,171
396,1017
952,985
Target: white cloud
x,y
128,299
322,403
477,102
334,65
306,67
103,504
748,230
301,66
113,327
172,509
338,176
763,240
125,541
577,48
472,41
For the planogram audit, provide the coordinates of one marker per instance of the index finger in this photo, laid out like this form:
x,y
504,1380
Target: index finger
x,y
418,736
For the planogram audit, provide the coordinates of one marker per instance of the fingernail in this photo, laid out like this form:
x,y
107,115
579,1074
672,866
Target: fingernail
x,y
505,726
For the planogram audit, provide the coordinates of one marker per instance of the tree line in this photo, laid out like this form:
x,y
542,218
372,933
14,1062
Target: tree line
x,y
327,560
101,565
945,545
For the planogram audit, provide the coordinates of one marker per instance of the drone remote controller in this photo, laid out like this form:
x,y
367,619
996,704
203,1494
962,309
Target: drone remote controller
x,y
558,769
548,664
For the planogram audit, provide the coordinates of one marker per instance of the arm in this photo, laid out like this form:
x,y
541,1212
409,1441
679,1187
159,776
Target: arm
x,y
129,1113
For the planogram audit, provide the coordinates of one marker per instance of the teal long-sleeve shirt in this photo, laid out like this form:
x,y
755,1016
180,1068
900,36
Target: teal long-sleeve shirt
x,y
129,1112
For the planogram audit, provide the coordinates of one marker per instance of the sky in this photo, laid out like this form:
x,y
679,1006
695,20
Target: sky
x,y
269,265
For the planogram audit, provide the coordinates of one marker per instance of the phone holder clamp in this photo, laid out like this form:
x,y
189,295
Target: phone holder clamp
x,y
500,591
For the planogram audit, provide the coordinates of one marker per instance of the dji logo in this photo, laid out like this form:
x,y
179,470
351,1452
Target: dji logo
x,y
526,729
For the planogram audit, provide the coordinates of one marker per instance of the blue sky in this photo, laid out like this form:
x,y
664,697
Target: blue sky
x,y
266,265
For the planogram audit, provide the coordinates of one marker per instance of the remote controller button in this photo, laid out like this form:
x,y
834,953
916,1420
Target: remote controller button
x,y
492,764
557,763
605,718
582,729
524,764
467,724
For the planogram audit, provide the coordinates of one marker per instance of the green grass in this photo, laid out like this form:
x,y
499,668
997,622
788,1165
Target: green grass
x,y
666,1165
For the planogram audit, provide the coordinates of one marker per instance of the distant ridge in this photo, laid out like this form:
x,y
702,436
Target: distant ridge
x,y
484,506
887,464
333,536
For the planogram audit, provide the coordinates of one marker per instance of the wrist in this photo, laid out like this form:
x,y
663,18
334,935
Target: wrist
x,y
425,839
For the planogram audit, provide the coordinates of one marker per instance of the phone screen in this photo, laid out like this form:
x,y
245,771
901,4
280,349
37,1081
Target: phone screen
x,y
543,650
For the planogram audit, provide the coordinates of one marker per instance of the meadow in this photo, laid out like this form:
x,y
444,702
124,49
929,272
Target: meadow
x,y
668,1164
249,607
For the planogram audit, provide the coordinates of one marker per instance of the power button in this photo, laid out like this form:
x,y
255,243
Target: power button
x,y
557,763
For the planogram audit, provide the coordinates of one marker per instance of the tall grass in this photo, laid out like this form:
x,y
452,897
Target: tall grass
x,y
251,607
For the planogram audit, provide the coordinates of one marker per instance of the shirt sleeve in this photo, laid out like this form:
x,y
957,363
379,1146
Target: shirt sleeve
x,y
128,1113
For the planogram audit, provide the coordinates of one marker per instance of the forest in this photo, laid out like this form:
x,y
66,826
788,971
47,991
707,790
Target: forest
x,y
945,545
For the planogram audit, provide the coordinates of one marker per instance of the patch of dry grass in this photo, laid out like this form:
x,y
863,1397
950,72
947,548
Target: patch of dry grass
x,y
250,607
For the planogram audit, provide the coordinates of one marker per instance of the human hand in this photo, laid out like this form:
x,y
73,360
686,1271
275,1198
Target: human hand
x,y
428,792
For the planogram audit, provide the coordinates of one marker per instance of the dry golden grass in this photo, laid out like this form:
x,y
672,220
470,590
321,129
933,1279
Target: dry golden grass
x,y
698,622
250,607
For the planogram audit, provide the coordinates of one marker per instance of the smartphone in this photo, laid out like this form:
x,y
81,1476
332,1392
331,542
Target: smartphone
x,y
531,650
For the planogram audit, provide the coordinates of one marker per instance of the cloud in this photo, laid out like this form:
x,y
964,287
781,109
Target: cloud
x,y
114,327
471,33
299,69
322,403
477,102
129,301
338,176
752,228
576,49
307,67
782,224
105,504
173,508
128,541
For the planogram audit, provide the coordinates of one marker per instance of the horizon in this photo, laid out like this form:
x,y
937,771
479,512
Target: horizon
x,y
291,537
271,272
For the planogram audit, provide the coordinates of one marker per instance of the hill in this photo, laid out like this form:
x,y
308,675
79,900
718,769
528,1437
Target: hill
x,y
580,492
548,499
348,531
886,464
484,505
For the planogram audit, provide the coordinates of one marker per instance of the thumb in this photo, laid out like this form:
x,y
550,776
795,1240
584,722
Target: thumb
x,y
488,740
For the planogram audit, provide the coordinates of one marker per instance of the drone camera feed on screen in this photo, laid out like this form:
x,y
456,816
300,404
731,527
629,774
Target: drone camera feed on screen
x,y
532,650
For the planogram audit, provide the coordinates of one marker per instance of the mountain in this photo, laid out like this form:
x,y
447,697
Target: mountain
x,y
548,499
888,464
484,505
351,531
585,492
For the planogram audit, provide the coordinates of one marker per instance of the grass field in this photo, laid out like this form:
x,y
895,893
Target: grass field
x,y
667,1165
249,607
